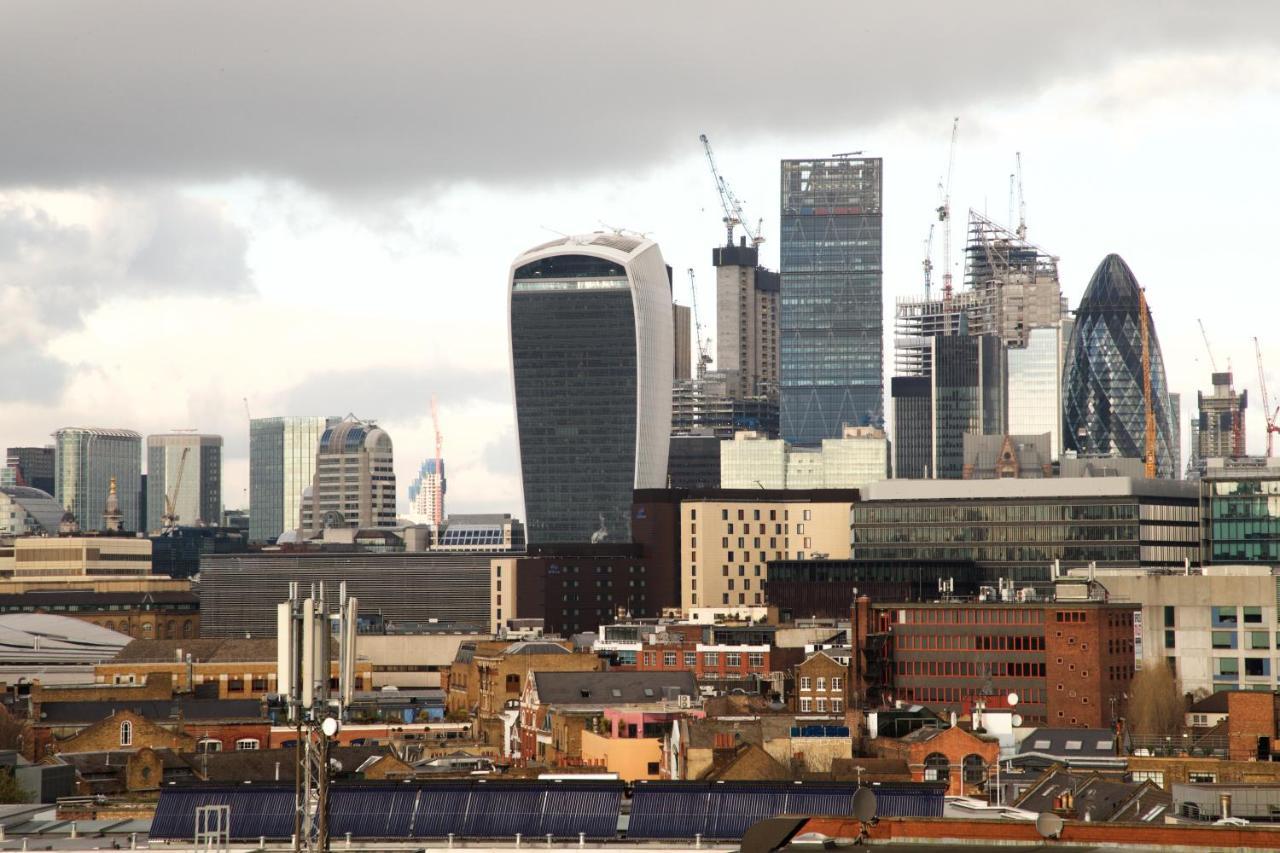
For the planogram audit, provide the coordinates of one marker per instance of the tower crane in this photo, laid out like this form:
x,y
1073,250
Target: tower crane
x,y
928,260
704,356
1149,446
944,213
170,517
1022,205
437,516
729,203
1268,413
1208,349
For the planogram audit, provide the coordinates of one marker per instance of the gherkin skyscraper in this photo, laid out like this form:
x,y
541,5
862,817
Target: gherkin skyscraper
x,y
1103,410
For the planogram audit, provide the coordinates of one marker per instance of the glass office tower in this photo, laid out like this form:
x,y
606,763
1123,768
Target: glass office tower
x,y
832,327
86,461
1103,409
591,360
1035,384
1240,511
282,463
188,469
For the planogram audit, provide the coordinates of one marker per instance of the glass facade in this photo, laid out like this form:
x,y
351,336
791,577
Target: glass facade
x,y
282,463
87,459
198,498
1035,387
1241,514
912,427
832,326
574,358
1021,539
1104,411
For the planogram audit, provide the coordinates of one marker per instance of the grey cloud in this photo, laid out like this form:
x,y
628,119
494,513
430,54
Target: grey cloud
x,y
153,243
390,393
499,456
401,96
30,375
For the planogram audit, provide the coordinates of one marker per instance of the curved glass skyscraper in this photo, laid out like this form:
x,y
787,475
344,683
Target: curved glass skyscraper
x,y
1103,410
591,361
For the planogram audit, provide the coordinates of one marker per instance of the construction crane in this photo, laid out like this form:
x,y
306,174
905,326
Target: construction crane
x,y
1268,413
170,517
1149,446
1207,348
944,213
1022,205
928,260
437,517
733,215
704,344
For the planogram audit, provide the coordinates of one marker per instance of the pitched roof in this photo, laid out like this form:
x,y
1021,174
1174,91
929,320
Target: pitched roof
x,y
1214,703
1070,743
1102,799
535,647
236,650
612,687
750,763
263,765
189,709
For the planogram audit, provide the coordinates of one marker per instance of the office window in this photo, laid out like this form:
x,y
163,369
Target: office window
x,y
1168,620
1225,617
1257,667
1224,639
1253,615
1258,640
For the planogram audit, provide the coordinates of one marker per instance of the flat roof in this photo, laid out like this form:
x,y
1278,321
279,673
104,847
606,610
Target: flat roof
x,y
1011,489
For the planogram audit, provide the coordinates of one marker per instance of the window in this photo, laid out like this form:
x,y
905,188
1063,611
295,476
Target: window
x,y
805,682
1224,617
837,705
756,659
822,682
1253,615
1203,778
209,744
690,659
1258,640
806,705
1257,667
653,768
513,683
1156,776
733,659
247,744
822,705
711,659
668,658
1225,668
126,733
937,768
1168,623
837,683
1224,639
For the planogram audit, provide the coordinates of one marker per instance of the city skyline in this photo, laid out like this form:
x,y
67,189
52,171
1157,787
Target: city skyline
x,y
265,250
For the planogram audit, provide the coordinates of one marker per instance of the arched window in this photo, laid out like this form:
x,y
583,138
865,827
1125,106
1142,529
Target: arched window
x,y
937,768
168,630
247,743
209,744
186,629
975,769
126,733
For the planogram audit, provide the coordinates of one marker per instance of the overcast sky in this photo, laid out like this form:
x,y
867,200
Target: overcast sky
x,y
312,207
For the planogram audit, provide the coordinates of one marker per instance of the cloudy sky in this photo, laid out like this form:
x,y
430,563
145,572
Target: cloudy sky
x,y
312,207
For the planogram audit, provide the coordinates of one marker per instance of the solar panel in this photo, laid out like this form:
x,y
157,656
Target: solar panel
x,y
668,810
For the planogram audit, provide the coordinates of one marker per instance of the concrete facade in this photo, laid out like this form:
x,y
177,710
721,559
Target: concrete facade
x,y
859,457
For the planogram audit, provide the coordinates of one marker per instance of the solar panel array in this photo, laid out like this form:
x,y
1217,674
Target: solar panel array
x,y
466,809
563,809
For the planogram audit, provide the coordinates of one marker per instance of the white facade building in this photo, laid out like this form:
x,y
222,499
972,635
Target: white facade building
x,y
355,481
855,460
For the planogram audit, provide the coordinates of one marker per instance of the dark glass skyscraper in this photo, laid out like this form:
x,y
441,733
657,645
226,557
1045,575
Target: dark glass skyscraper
x,y
1103,409
832,328
591,359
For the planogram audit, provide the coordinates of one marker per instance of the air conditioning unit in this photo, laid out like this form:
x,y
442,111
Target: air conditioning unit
x,y
684,701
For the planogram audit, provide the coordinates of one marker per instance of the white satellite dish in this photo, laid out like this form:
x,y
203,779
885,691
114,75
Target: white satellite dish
x,y
330,726
1013,700
864,805
1049,825
1017,720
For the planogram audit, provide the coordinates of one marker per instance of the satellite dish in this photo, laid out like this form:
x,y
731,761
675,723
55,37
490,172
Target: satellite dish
x,y
330,726
864,805
1049,825
1013,700
1017,720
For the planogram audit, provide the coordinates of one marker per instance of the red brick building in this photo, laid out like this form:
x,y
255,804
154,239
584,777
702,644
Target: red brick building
x,y
1069,662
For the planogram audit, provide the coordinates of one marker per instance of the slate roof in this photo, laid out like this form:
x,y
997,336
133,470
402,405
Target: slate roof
x,y
61,713
1214,703
1100,798
201,650
259,765
612,688
535,647
1070,743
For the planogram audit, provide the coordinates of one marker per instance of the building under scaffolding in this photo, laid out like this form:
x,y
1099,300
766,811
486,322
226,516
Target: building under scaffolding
x,y
710,404
1011,287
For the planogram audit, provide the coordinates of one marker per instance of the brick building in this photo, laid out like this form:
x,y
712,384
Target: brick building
x,y
141,614
714,654
821,685
952,755
235,668
1069,661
